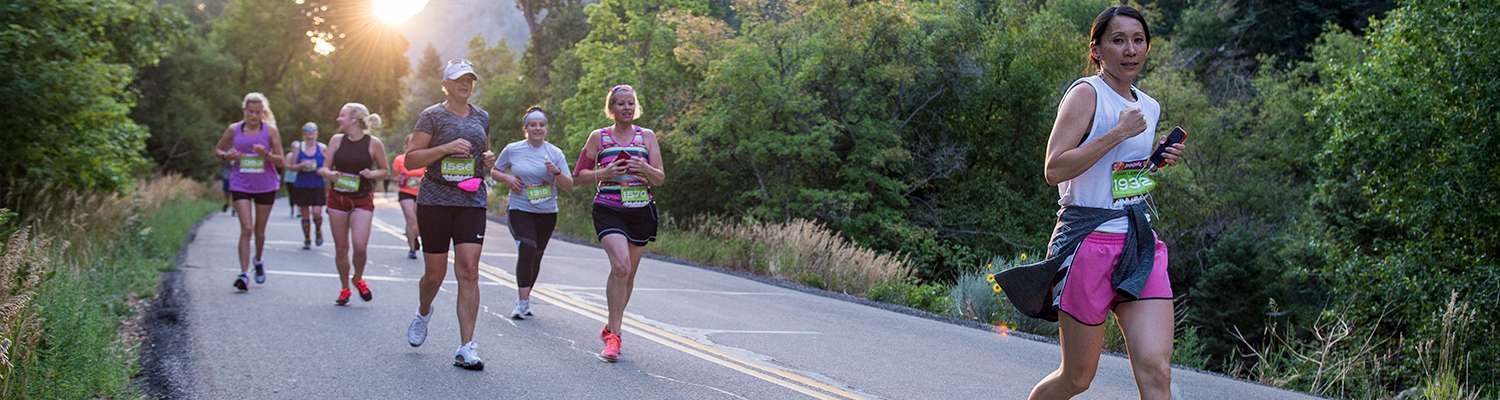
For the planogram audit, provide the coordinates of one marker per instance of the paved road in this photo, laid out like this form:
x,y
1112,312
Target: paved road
x,y
691,334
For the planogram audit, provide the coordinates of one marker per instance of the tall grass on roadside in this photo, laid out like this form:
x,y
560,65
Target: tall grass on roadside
x,y
1336,357
1445,370
115,247
1341,358
810,253
800,250
24,261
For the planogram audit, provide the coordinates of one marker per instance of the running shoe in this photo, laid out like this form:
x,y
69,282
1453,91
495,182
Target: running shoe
x,y
467,357
260,272
242,282
306,244
320,240
522,311
412,254
416,333
343,297
611,351
364,290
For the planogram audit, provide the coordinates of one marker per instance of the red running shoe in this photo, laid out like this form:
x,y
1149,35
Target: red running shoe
x,y
343,297
611,351
364,290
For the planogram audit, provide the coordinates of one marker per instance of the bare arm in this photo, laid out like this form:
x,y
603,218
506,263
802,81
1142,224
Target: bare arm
x,y
588,156
275,155
654,173
224,150
563,180
326,171
377,155
420,155
1067,160
288,163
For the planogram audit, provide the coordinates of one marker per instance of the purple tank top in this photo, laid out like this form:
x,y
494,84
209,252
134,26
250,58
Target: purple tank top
x,y
242,175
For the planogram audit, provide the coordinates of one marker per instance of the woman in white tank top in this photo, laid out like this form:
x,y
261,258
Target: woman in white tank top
x,y
1105,124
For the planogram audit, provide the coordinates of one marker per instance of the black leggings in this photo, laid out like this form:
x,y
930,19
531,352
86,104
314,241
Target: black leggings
x,y
532,231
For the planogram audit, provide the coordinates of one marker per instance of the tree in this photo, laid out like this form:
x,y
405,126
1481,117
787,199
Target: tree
x,y
554,25
185,105
423,85
67,66
1405,193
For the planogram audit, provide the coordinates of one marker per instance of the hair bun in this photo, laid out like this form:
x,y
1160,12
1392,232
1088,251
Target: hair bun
x,y
372,121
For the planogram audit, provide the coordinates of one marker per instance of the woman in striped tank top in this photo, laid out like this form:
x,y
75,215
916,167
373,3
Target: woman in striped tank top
x,y
625,162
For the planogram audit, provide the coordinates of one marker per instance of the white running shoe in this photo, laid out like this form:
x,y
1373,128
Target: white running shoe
x,y
522,311
467,357
416,333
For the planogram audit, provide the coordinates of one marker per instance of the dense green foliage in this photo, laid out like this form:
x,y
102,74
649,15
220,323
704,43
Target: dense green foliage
x,y
65,114
918,127
1338,171
1407,193
242,46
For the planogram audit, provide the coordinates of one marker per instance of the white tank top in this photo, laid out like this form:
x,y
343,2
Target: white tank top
x,y
1092,188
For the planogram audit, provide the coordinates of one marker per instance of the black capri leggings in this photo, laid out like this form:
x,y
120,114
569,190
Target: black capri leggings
x,y
532,231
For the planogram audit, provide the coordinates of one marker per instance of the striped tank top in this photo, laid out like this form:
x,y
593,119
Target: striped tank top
x,y
626,191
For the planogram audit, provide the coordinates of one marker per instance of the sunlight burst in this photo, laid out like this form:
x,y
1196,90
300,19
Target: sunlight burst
x,y
394,12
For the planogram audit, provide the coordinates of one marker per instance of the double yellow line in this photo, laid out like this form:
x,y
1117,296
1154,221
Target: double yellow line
x,y
760,370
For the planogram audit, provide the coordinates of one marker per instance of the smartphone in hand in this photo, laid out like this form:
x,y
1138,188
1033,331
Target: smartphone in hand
x,y
1178,135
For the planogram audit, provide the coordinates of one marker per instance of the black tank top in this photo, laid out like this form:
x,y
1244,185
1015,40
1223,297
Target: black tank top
x,y
352,157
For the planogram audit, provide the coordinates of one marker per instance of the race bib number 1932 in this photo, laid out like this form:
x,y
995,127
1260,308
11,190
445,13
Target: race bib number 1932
x,y
1130,181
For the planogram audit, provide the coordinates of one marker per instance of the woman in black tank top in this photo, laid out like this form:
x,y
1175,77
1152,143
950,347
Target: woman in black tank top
x,y
356,160
353,156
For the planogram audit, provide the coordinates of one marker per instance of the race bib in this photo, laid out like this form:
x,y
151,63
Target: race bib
x,y
411,182
539,194
252,164
1130,182
346,183
457,169
635,196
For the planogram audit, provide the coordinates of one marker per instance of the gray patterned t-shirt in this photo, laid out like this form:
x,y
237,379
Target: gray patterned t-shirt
x,y
445,126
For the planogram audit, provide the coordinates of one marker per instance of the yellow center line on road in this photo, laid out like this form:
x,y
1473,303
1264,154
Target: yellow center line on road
x,y
760,370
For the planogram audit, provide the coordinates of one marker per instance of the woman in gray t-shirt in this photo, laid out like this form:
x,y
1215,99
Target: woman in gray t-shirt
x,y
451,141
534,171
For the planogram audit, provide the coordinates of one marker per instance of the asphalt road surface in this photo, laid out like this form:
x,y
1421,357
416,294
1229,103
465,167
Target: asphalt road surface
x,y
690,333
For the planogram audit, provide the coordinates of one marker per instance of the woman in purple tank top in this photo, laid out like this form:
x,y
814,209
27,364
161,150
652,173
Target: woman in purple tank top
x,y
252,147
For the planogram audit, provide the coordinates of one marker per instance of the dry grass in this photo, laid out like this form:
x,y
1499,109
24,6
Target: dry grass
x,y
1341,359
1330,359
806,251
53,261
1444,373
22,266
